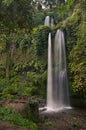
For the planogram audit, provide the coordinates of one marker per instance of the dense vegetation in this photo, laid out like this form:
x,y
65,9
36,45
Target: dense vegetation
x,y
23,49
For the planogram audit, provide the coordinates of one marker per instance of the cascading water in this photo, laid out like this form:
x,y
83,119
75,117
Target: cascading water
x,y
60,72
57,84
47,21
49,77
52,21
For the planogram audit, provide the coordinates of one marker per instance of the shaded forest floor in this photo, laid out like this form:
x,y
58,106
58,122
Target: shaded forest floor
x,y
8,126
72,119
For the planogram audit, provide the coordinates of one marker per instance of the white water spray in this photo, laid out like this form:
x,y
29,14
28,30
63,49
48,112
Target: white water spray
x,y
47,21
49,76
57,82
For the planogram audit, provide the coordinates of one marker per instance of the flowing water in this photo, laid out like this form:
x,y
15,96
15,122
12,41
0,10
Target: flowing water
x,y
57,82
47,21
49,76
52,21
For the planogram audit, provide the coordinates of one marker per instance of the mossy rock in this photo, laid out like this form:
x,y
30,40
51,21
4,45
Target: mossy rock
x,y
79,103
31,110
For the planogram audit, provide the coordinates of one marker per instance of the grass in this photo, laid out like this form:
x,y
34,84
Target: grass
x,y
49,123
10,115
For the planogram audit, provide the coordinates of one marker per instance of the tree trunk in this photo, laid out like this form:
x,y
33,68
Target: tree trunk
x,y
8,62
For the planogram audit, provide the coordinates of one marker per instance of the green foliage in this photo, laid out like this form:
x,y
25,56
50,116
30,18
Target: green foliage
x,y
2,42
43,82
8,114
78,64
65,9
15,11
24,40
15,17
49,123
3,84
39,83
13,88
30,67
7,2
5,89
38,18
2,71
40,40
70,3
75,34
31,110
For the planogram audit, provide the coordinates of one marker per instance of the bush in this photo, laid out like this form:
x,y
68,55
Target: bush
x,y
8,114
40,41
31,110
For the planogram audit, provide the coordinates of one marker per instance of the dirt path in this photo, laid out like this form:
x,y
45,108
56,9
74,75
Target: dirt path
x,y
8,126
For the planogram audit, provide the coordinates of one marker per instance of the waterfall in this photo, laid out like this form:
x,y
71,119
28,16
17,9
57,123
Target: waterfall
x,y
52,21
47,21
57,82
61,95
49,77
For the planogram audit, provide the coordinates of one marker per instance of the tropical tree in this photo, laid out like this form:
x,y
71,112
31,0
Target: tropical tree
x,y
15,16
